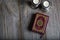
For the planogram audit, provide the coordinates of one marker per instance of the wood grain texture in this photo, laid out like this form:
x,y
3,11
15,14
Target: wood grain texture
x,y
15,18
52,31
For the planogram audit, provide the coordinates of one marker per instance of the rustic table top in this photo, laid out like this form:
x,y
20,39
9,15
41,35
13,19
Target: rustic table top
x,y
15,17
52,31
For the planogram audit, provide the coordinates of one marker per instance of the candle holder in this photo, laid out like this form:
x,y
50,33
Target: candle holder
x,y
45,5
35,3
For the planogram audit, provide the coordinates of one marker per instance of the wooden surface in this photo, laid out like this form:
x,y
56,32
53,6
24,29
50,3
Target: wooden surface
x,y
52,31
15,18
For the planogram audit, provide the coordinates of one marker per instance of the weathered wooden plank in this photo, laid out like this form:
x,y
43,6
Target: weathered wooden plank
x,y
52,27
15,19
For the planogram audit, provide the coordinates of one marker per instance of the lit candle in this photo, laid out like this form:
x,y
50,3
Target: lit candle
x,y
45,3
35,1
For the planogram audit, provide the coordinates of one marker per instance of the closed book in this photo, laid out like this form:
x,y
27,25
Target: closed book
x,y
40,23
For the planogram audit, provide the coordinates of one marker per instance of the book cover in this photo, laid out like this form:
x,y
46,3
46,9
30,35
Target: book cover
x,y
40,23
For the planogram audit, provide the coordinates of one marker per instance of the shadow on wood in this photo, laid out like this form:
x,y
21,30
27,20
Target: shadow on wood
x,y
31,22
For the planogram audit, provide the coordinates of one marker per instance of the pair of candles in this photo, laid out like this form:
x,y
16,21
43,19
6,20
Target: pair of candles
x,y
45,3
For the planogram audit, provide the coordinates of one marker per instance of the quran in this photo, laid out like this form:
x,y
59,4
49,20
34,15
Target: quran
x,y
40,23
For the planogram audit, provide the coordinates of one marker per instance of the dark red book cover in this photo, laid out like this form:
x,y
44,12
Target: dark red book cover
x,y
40,23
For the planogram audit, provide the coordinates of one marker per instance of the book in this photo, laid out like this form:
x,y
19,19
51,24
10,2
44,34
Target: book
x,y
40,23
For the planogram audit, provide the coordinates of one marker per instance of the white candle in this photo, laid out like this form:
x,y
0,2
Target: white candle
x,y
35,1
46,3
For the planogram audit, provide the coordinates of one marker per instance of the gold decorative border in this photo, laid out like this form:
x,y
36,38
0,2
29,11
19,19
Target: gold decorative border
x,y
45,17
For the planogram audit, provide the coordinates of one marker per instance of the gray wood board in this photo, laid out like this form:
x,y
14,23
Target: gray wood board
x,y
15,18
